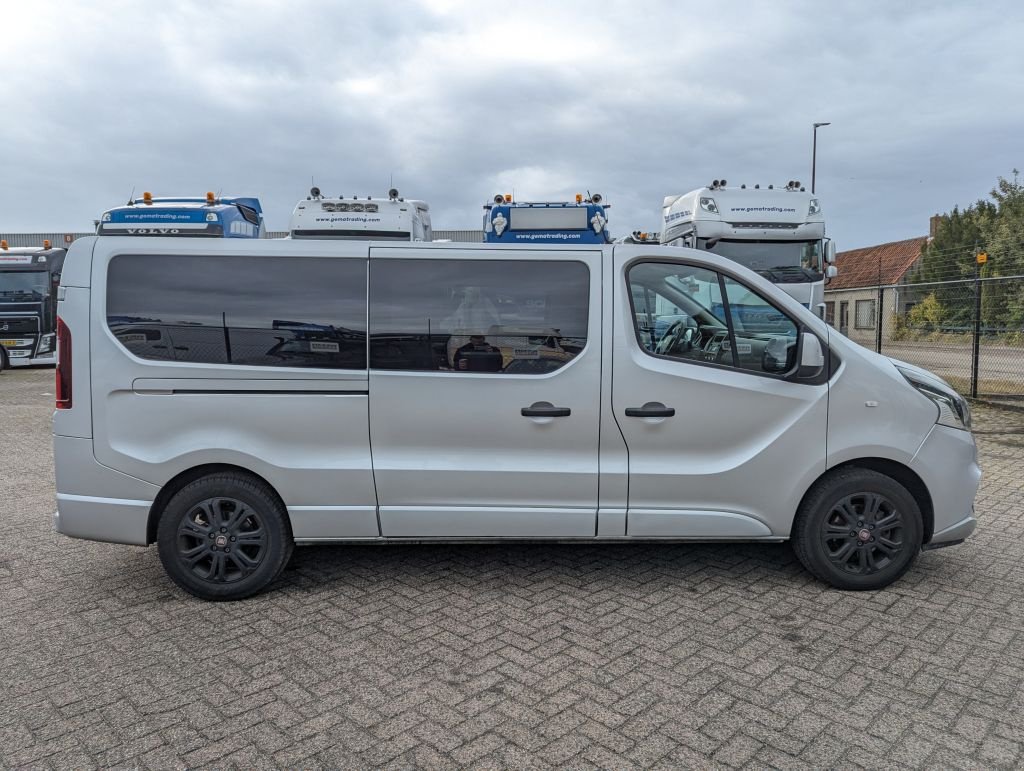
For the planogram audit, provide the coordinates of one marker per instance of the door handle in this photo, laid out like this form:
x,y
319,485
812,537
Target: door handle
x,y
545,410
651,410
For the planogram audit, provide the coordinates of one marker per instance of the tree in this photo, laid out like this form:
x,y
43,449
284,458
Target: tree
x,y
995,226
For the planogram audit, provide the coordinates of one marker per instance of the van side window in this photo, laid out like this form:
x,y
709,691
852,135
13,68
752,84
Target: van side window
x,y
766,338
695,314
519,317
255,311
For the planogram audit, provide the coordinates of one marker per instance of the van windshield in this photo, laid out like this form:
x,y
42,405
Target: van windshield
x,y
22,285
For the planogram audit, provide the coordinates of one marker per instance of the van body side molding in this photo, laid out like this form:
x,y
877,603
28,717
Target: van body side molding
x,y
648,523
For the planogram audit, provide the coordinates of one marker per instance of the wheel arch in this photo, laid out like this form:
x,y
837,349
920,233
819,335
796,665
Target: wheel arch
x,y
189,476
896,471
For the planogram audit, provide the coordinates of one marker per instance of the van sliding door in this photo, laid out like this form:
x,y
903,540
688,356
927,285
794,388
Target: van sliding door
x,y
485,371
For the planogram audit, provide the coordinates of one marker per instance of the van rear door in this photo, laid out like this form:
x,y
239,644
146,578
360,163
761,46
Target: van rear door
x,y
485,373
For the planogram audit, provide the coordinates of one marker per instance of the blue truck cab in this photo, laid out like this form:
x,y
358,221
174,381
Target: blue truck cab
x,y
209,217
584,221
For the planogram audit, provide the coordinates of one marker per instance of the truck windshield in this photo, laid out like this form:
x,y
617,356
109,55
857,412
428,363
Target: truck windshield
x,y
22,285
783,262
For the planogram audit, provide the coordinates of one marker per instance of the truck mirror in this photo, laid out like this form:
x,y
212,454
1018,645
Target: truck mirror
x,y
831,271
830,251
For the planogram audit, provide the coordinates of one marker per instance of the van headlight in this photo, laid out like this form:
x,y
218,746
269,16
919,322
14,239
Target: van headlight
x,y
954,411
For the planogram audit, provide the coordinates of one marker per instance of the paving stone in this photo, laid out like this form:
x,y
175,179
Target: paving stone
x,y
506,656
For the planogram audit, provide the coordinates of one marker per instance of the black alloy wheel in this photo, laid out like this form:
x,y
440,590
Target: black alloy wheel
x,y
858,529
863,533
224,537
221,540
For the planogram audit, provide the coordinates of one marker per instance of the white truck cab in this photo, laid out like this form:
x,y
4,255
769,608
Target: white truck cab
x,y
230,399
381,219
776,232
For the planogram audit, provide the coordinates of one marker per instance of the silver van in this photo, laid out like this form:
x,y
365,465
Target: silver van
x,y
226,400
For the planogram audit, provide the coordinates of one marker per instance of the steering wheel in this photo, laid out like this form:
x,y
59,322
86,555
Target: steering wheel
x,y
678,338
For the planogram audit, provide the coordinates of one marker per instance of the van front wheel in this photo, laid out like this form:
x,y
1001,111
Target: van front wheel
x,y
858,529
224,537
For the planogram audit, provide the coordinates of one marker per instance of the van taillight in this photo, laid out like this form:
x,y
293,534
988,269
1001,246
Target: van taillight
x,y
63,384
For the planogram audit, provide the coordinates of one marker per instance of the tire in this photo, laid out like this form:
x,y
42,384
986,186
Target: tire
x,y
224,537
858,529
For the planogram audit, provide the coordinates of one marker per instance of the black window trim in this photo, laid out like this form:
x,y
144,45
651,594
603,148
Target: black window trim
x,y
789,376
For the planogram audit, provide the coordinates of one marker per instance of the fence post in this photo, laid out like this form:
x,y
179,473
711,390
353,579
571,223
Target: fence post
x,y
976,358
878,319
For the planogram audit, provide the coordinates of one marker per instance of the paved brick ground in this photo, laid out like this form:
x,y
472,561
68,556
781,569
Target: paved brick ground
x,y
505,656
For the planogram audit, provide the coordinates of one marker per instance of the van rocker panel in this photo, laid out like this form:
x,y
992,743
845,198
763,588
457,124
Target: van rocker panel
x,y
448,522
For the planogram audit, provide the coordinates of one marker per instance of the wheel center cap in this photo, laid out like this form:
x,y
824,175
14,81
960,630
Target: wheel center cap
x,y
221,540
864,534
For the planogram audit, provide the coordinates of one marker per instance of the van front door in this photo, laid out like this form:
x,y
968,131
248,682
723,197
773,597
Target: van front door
x,y
721,444
485,371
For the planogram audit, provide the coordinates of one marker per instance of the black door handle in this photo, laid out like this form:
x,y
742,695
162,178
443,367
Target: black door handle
x,y
651,410
545,410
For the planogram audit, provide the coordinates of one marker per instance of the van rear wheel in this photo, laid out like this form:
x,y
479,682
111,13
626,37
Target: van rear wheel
x,y
858,529
224,537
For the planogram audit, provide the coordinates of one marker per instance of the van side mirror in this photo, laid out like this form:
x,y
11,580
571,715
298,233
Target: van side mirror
x,y
812,357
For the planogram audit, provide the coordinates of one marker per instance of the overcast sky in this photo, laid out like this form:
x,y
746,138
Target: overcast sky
x,y
459,101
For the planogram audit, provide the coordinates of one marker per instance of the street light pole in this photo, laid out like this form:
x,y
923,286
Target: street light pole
x,y
814,152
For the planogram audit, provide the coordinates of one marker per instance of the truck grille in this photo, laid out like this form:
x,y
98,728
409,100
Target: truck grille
x,y
18,326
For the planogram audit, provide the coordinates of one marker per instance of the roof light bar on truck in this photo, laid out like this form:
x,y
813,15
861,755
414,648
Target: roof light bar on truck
x,y
210,216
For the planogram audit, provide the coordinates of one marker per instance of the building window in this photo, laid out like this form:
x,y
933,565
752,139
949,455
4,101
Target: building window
x,y
514,317
240,310
830,312
864,314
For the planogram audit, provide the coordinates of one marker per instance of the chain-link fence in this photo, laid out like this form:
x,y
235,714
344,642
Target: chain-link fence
x,y
970,332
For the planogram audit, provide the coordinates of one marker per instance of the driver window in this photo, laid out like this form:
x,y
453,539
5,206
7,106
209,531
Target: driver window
x,y
680,312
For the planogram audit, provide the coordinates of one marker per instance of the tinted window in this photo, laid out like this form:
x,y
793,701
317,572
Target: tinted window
x,y
694,314
269,311
510,316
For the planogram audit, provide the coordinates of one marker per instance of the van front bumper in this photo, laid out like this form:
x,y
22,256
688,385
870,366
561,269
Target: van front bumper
x,y
954,534
947,463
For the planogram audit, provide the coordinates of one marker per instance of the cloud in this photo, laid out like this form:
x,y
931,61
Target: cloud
x,y
458,101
